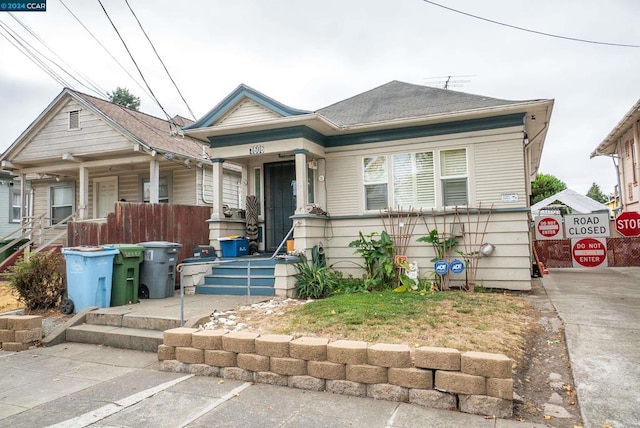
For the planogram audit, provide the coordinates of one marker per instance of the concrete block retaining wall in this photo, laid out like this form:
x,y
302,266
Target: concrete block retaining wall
x,y
19,332
471,382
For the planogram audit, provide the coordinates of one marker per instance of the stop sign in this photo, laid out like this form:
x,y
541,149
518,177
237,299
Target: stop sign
x,y
589,252
628,223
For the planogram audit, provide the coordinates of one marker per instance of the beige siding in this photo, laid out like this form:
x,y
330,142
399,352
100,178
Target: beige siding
x,y
499,169
508,267
246,111
343,188
55,139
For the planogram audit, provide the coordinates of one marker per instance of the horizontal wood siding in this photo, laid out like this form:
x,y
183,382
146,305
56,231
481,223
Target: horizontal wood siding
x,y
247,111
508,267
499,168
185,190
232,188
342,180
55,139
132,223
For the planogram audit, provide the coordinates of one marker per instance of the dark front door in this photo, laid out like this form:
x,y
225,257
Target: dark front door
x,y
280,201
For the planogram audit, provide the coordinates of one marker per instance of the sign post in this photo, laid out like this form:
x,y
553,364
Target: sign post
x,y
589,252
628,223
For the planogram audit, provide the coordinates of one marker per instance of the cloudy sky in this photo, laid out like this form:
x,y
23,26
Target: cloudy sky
x,y
310,54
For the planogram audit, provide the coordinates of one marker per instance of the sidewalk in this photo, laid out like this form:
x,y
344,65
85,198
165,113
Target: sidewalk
x,y
78,385
601,312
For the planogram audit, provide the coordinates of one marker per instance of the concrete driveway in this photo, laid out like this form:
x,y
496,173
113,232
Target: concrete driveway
x,y
601,312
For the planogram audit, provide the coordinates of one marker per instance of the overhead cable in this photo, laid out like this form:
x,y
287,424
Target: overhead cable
x,y
574,39
160,59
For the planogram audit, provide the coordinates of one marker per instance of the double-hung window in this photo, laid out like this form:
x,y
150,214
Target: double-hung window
x,y
15,213
62,199
453,176
427,179
164,185
375,178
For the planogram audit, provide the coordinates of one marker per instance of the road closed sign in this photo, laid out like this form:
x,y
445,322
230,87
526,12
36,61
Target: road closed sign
x,y
549,227
587,225
589,252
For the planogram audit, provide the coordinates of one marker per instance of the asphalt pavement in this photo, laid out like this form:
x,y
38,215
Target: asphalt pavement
x,y
600,309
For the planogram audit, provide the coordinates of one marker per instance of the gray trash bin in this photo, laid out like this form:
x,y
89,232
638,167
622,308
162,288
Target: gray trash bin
x,y
157,272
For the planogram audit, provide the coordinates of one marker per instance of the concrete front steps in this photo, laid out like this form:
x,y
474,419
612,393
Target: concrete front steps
x,y
230,277
122,330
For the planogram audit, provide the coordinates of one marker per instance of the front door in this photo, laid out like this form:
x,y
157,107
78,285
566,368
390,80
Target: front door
x,y
106,194
280,201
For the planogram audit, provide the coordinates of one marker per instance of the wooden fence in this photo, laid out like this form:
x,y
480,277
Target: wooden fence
x,y
556,253
132,223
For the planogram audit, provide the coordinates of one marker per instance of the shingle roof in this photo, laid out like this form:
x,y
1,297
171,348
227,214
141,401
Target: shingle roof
x,y
400,100
150,130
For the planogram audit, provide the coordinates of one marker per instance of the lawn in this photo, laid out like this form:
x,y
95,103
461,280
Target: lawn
x,y
487,322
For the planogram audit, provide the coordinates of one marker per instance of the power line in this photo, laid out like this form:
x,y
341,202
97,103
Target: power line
x,y
91,85
135,63
106,50
574,39
160,59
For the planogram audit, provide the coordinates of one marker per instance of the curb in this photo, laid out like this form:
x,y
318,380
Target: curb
x,y
59,334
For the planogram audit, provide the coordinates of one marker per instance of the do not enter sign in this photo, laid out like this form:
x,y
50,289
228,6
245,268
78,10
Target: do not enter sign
x,y
549,227
589,252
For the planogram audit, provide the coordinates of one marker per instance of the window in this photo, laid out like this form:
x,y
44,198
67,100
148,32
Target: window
x,y
453,175
311,174
163,190
62,202
375,179
74,119
14,213
634,163
232,188
257,187
413,180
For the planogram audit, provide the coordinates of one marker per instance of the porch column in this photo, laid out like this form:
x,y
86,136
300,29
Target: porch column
x,y
154,181
83,193
301,181
217,188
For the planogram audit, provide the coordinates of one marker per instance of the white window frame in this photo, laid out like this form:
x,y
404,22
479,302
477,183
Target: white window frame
x,y
145,179
438,197
383,180
67,184
12,217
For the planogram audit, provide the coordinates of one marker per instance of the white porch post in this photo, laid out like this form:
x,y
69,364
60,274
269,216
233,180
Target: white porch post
x,y
301,181
154,181
83,196
217,189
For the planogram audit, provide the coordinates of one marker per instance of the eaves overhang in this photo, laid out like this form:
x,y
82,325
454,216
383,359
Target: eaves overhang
x,y
609,145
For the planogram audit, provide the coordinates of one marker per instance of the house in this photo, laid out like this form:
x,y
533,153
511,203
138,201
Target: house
x,y
335,171
82,154
10,199
622,145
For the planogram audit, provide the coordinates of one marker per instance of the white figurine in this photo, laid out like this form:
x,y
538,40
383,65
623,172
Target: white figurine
x,y
412,274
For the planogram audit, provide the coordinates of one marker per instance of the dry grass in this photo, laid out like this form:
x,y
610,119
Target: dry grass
x,y
486,322
8,298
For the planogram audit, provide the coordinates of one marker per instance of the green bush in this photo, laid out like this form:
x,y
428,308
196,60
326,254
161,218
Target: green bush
x,y
39,279
314,280
378,260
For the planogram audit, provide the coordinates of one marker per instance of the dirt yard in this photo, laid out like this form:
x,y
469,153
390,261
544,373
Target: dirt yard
x,y
8,298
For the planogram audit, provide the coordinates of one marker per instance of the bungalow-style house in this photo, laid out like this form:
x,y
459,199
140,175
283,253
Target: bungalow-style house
x,y
623,146
82,154
334,172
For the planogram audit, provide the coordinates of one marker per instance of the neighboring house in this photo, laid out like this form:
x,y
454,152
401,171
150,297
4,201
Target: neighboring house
x,y
82,154
398,145
623,146
10,197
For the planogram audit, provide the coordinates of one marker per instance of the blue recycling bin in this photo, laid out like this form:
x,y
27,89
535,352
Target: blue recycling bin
x,y
89,276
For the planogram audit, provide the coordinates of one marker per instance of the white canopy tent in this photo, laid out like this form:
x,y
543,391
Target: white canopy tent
x,y
580,204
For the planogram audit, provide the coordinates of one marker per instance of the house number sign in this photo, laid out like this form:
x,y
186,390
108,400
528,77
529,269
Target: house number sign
x,y
256,150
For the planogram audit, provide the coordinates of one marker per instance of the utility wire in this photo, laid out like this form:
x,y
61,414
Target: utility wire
x,y
160,59
135,63
106,50
27,50
574,39
91,85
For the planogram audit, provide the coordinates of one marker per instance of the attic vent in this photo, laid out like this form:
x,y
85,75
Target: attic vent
x,y
74,119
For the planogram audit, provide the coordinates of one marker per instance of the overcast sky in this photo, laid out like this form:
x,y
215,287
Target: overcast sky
x,y
311,54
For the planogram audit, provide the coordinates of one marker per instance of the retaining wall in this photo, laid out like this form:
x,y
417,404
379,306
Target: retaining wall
x,y
444,378
20,332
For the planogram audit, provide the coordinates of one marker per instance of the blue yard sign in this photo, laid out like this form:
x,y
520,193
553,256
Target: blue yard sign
x,y
456,266
441,267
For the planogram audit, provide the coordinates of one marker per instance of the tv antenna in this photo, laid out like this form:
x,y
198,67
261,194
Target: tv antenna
x,y
450,81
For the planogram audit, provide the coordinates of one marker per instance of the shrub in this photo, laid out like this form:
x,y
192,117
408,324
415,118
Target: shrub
x,y
39,279
378,260
314,280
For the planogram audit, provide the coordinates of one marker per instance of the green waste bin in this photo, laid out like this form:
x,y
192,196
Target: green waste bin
x,y
126,274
